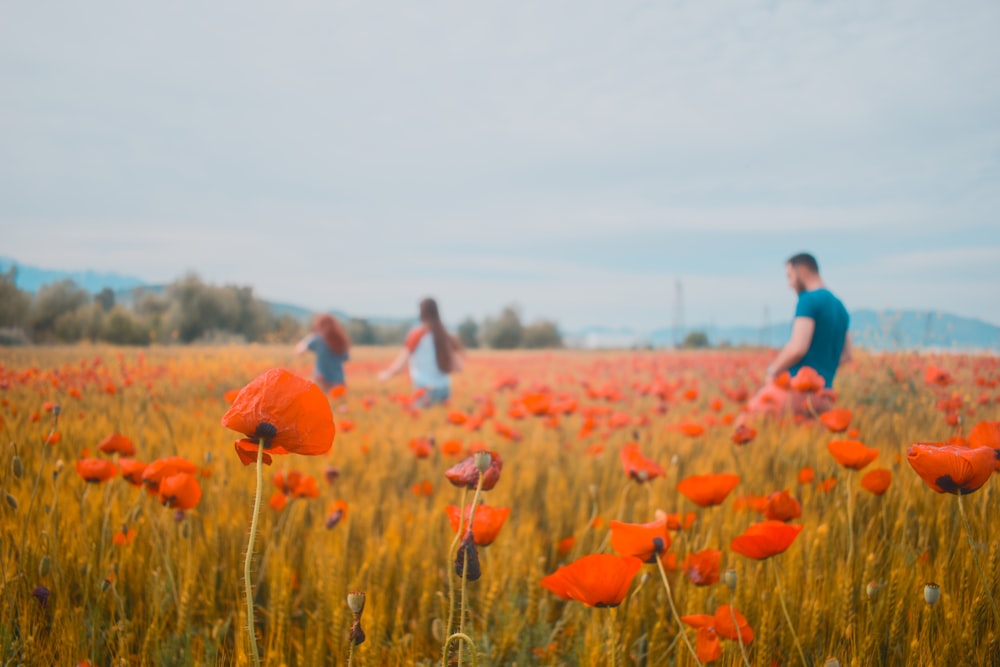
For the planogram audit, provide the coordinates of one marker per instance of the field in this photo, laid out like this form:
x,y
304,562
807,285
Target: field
x,y
102,573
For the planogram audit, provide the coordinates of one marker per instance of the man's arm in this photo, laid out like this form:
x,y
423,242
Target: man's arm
x,y
794,349
847,354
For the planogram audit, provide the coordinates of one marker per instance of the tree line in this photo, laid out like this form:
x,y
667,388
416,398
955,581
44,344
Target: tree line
x,y
189,310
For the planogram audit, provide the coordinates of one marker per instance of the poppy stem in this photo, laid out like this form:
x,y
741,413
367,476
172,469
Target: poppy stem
x,y
462,637
849,488
739,633
612,643
673,610
254,656
451,582
975,558
784,609
465,564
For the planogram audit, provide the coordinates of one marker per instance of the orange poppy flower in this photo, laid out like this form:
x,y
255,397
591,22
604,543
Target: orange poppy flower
x,y
806,475
637,466
564,545
457,417
278,501
338,391
743,434
96,471
117,443
466,474
422,448
782,507
346,426
765,539
708,490
807,380
675,521
537,403
877,481
852,453
702,567
231,395
597,580
132,470
285,413
826,486
837,420
422,488
937,376
691,429
987,434
180,491
451,448
949,469
642,540
486,523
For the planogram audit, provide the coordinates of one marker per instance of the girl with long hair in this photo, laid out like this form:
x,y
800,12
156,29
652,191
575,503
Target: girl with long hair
x,y
330,343
432,355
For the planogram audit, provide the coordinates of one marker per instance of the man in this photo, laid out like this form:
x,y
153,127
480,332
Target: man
x,y
820,338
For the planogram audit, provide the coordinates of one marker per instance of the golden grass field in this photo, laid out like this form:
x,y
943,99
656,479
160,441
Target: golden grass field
x,y
173,594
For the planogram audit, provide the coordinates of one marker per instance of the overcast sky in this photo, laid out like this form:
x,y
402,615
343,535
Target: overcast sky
x,y
576,158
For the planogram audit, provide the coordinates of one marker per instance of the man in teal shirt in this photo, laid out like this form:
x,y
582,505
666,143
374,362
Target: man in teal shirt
x,y
820,337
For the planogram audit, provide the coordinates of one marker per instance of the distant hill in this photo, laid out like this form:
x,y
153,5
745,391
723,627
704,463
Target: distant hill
x,y
33,278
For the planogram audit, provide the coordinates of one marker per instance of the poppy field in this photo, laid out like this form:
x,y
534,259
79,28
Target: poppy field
x,y
624,510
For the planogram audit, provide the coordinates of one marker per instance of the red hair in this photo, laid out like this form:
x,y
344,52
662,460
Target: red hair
x,y
332,333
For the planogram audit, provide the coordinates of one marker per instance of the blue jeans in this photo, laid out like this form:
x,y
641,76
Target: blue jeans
x,y
434,395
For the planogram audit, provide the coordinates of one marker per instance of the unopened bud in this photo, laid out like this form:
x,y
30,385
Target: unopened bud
x,y
56,410
12,501
831,662
43,566
57,469
932,592
356,601
729,578
483,461
16,467
871,590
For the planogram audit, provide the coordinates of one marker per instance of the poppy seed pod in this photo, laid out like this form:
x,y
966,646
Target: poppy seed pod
x,y
356,601
482,462
932,592
12,501
871,590
831,662
16,467
729,578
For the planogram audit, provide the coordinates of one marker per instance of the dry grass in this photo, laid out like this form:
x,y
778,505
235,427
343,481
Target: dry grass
x,y
173,596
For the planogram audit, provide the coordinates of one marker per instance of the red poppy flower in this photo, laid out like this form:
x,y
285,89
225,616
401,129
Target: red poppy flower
x,y
826,486
422,448
702,567
852,453
457,417
180,491
937,376
132,470
564,545
486,523
96,471
691,429
987,434
782,507
642,540
837,420
597,580
675,521
124,536
537,403
949,469
466,474
117,443
806,475
335,513
637,466
422,488
807,380
743,434
710,628
278,501
338,391
765,539
285,413
877,481
156,471
708,490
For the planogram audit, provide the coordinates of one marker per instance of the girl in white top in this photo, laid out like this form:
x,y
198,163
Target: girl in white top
x,y
432,354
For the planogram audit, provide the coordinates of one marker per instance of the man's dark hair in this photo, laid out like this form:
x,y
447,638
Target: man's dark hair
x,y
806,260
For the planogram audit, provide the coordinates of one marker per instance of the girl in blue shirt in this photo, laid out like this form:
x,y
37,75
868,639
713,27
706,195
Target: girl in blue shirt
x,y
330,343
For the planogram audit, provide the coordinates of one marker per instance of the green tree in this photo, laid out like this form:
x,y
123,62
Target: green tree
x,y
542,334
106,299
468,333
360,331
695,340
14,303
53,312
505,332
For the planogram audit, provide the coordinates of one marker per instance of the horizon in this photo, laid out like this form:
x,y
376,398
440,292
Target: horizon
x,y
574,159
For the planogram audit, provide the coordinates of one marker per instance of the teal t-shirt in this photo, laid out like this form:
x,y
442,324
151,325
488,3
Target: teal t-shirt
x,y
328,364
832,320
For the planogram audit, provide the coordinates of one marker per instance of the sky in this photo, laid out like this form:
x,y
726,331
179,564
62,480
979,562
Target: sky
x,y
575,158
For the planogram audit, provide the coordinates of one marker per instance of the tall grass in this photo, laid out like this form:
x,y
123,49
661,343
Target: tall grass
x,y
174,596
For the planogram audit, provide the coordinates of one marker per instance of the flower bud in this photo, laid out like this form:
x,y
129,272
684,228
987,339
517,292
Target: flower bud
x,y
729,578
356,601
872,589
12,501
932,592
831,662
16,467
43,566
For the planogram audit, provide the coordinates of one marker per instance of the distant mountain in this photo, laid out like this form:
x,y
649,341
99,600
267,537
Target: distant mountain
x,y
33,278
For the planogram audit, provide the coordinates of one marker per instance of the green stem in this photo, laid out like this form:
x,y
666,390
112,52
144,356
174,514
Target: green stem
x,y
739,635
350,653
465,564
849,488
254,656
673,610
451,582
463,638
975,558
784,609
612,644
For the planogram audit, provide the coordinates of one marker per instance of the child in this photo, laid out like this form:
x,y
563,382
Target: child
x,y
433,354
330,343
